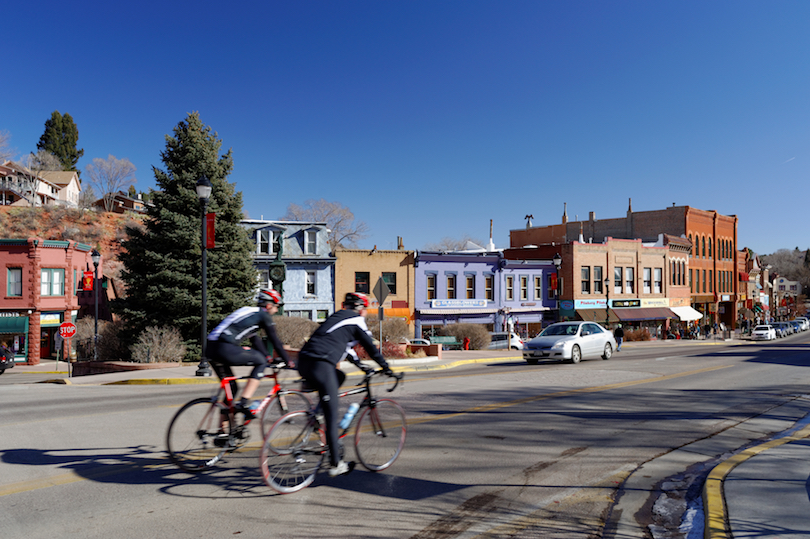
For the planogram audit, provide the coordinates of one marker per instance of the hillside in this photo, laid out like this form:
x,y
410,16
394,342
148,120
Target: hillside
x,y
101,230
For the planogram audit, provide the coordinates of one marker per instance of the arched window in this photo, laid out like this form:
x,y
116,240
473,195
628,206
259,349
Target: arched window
x,y
694,246
710,247
703,242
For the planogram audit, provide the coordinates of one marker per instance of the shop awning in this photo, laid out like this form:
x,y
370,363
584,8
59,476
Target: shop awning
x,y
596,315
686,314
644,313
13,324
757,309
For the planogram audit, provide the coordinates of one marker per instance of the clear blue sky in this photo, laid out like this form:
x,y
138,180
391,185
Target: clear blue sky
x,y
429,118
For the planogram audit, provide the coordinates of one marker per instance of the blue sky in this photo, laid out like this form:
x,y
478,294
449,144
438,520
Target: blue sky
x,y
429,118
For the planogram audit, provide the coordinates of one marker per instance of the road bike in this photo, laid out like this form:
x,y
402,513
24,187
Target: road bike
x,y
207,428
295,448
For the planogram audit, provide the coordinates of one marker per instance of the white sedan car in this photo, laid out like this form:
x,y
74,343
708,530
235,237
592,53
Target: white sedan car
x,y
570,341
763,333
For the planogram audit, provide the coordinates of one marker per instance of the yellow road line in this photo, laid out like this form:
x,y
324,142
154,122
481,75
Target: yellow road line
x,y
713,498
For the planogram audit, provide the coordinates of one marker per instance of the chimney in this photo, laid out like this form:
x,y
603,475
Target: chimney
x,y
565,213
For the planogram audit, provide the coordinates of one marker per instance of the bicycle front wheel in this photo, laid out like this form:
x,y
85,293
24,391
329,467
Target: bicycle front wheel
x,y
195,439
292,453
281,404
380,435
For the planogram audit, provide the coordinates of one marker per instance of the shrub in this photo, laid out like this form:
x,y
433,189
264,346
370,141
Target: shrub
x,y
393,330
110,346
390,350
158,345
293,331
478,334
642,334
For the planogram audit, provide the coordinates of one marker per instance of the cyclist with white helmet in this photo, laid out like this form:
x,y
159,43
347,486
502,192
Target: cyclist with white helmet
x,y
224,349
317,362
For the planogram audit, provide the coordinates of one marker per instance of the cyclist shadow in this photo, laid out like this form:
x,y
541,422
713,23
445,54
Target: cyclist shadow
x,y
387,485
142,465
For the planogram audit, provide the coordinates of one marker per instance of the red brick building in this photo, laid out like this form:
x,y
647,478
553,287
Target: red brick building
x,y
40,281
713,275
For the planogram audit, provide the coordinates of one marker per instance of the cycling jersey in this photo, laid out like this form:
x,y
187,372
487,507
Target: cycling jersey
x,y
336,337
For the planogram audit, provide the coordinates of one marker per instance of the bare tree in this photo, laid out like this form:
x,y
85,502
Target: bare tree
x,y
344,231
110,176
87,198
6,151
452,244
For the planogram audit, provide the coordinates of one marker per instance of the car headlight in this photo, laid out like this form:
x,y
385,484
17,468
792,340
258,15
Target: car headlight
x,y
558,345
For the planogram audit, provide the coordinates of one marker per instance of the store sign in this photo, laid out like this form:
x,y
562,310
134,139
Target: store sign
x,y
655,302
458,303
590,304
8,315
626,303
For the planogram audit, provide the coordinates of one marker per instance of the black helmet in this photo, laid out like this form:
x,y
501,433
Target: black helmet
x,y
355,301
269,296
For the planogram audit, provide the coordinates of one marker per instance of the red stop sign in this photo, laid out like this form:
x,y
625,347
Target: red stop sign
x,y
67,330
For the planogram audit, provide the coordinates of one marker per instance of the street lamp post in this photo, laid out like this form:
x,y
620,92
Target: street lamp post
x,y
204,192
557,261
95,256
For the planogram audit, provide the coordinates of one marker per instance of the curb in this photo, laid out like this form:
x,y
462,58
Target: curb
x,y
715,508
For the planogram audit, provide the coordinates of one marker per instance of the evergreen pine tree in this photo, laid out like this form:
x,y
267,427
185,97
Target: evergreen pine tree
x,y
807,259
162,261
60,138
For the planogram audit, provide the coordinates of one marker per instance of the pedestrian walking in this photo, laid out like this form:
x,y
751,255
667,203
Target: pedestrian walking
x,y
618,333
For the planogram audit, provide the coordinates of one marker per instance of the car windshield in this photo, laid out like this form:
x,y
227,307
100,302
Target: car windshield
x,y
560,329
761,328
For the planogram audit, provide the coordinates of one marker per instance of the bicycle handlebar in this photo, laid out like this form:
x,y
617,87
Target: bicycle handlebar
x,y
375,372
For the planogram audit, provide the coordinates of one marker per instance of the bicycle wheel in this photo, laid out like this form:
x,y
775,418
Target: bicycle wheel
x,y
194,439
380,435
294,467
282,403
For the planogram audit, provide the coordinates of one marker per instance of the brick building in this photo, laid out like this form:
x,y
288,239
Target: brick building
x,y
40,280
358,270
712,276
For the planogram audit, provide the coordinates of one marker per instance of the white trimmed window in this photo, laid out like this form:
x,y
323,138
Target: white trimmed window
x,y
310,242
53,282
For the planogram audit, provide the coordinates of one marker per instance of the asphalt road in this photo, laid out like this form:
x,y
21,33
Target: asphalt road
x,y
493,450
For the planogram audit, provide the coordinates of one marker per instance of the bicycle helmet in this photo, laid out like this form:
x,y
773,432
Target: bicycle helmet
x,y
355,301
269,295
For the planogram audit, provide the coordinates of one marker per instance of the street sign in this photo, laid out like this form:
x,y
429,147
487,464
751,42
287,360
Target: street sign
x,y
67,330
381,291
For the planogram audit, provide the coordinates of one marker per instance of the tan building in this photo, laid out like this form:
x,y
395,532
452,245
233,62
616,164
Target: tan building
x,y
359,270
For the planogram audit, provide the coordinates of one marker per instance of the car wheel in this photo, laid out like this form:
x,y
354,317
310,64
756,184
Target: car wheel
x,y
576,354
531,361
514,348
608,351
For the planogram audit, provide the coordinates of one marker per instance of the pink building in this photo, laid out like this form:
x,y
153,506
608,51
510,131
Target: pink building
x,y
40,280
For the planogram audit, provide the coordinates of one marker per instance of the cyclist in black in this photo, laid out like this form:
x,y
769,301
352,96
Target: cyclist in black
x,y
318,359
224,349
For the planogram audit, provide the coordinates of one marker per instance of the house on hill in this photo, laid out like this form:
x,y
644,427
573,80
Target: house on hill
x,y
20,186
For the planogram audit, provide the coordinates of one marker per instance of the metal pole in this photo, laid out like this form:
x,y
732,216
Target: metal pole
x,y
204,369
95,293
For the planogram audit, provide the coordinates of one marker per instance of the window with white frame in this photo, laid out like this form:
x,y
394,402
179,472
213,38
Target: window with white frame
x,y
14,282
524,288
431,286
263,278
53,282
597,280
617,280
647,280
538,287
263,238
310,242
451,286
657,281
470,282
510,288
311,279
489,287
629,280
585,277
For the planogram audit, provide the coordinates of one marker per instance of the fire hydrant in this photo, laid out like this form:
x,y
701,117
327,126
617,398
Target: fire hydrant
x,y
466,343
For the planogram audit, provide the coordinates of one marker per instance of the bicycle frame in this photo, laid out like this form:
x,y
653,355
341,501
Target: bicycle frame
x,y
228,400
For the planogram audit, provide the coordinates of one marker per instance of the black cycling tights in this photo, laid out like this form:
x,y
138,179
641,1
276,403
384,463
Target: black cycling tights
x,y
324,377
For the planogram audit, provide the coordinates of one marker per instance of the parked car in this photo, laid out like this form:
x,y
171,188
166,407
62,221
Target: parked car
x,y
795,326
502,340
416,341
804,321
763,333
782,329
570,341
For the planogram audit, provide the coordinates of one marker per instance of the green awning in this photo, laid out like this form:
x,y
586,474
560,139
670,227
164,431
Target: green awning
x,y
757,309
13,324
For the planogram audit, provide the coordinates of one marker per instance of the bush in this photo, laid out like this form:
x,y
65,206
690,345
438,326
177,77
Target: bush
x,y
642,334
293,331
478,334
158,345
389,350
110,346
393,330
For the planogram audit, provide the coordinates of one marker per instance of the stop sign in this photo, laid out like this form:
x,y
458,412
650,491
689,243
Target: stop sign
x,y
67,330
